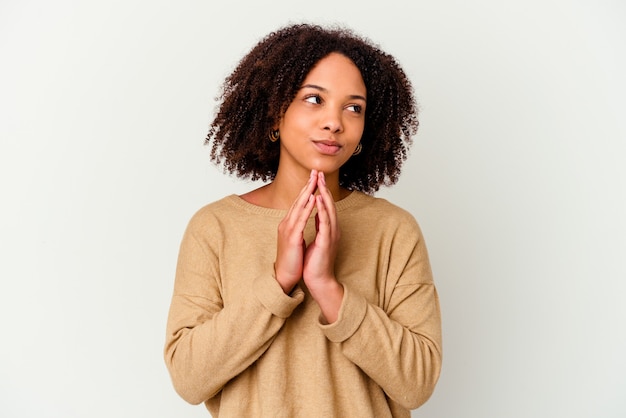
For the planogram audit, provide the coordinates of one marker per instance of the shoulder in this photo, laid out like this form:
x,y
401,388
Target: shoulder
x,y
213,209
378,217
213,214
233,213
379,210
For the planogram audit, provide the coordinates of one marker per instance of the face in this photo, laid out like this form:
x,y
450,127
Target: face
x,y
323,125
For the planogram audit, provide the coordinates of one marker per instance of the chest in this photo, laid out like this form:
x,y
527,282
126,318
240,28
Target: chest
x,y
362,261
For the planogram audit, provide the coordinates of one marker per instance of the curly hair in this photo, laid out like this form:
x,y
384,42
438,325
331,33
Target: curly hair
x,y
256,95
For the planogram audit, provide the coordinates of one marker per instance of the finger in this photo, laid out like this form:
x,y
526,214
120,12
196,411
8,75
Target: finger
x,y
323,224
324,191
328,201
302,199
302,207
296,220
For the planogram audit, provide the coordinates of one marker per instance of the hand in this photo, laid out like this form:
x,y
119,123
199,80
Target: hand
x,y
290,242
315,263
319,257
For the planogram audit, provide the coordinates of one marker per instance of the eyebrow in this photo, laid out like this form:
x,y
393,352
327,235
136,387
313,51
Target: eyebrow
x,y
324,90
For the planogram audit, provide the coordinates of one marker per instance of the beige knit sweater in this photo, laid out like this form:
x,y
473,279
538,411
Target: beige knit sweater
x,y
237,343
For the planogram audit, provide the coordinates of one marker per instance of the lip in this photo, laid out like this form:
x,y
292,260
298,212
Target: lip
x,y
327,147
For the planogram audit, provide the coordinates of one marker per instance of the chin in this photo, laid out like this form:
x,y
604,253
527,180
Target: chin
x,y
326,167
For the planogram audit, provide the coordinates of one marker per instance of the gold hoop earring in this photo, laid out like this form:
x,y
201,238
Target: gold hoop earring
x,y
358,149
274,135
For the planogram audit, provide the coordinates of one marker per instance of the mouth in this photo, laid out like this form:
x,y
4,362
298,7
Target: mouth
x,y
327,147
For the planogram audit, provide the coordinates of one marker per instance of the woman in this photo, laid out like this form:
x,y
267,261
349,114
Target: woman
x,y
307,297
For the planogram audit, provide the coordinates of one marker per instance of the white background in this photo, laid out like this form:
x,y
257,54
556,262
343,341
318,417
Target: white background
x,y
517,177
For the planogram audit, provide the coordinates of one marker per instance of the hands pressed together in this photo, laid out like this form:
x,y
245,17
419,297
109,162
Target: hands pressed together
x,y
313,263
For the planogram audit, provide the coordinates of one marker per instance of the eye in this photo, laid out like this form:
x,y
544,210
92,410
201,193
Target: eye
x,y
314,99
355,108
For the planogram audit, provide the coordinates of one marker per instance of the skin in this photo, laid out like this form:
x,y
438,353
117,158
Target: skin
x,y
319,132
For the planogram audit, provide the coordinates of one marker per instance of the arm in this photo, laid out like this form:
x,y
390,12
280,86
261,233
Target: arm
x,y
399,344
207,343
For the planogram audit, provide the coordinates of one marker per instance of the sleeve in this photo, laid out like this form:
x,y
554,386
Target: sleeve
x,y
207,343
397,345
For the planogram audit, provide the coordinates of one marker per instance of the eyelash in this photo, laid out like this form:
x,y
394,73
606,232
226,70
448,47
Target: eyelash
x,y
318,100
313,96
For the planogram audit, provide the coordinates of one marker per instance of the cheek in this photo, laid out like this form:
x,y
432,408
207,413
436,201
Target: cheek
x,y
357,127
293,120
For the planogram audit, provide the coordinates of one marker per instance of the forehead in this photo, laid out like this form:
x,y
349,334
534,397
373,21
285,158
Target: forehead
x,y
336,69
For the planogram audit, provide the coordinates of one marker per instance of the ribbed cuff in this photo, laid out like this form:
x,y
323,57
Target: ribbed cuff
x,y
271,295
351,314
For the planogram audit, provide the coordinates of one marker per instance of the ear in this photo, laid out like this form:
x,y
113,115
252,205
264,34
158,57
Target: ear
x,y
276,123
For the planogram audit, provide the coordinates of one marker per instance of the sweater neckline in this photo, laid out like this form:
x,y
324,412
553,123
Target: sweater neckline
x,y
355,198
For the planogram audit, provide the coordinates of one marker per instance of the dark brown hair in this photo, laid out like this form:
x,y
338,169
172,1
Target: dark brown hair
x,y
255,96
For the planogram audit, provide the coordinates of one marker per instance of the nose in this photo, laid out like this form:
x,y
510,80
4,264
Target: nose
x,y
331,120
